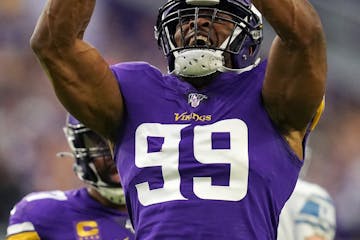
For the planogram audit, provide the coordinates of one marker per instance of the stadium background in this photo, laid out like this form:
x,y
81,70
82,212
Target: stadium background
x,y
31,118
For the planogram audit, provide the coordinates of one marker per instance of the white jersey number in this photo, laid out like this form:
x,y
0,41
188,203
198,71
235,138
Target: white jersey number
x,y
168,159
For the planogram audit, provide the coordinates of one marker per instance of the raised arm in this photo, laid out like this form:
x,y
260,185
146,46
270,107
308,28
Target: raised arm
x,y
81,78
295,79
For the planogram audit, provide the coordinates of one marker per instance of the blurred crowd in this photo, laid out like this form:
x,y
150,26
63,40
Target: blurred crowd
x,y
31,118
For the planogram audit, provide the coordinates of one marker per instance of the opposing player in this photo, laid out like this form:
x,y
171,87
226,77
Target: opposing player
x,y
213,149
95,212
309,214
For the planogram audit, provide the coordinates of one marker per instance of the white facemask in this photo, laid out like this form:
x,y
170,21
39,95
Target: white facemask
x,y
114,195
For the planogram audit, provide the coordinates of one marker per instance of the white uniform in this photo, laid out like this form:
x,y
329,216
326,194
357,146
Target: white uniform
x,y
308,212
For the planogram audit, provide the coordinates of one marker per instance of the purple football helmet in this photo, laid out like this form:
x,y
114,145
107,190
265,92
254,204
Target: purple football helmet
x,y
243,44
86,145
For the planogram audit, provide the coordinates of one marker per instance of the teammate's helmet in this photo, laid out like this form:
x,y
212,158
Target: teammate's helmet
x,y
86,145
203,58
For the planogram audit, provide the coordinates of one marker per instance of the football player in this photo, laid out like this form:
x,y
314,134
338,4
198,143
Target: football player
x,y
212,149
309,214
95,212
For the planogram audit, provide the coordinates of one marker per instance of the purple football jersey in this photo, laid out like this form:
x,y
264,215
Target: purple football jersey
x,y
73,214
201,164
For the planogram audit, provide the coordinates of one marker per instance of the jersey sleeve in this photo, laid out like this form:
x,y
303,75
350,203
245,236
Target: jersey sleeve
x,y
25,215
314,122
24,235
131,72
20,223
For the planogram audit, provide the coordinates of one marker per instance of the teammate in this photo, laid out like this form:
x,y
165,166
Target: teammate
x,y
309,214
95,212
213,149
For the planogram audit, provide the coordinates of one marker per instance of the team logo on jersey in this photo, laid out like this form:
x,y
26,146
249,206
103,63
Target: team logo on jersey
x,y
191,117
194,99
87,230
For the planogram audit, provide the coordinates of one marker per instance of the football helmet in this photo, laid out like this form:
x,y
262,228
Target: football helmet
x,y
86,145
202,58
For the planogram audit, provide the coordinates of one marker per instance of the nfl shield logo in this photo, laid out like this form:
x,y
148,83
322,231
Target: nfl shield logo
x,y
194,99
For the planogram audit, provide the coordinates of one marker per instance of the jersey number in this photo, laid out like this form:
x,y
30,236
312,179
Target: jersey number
x,y
236,155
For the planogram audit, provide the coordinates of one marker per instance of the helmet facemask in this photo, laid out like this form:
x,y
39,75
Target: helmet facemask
x,y
88,147
202,56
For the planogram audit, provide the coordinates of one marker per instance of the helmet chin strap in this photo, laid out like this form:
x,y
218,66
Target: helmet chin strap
x,y
197,62
113,194
204,62
240,70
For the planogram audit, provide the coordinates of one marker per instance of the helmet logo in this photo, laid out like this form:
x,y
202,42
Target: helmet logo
x,y
194,99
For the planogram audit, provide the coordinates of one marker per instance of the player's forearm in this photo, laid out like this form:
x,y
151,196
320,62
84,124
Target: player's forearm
x,y
61,23
295,21
81,78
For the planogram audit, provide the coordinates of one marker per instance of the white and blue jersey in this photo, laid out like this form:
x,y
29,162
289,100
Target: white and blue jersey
x,y
309,212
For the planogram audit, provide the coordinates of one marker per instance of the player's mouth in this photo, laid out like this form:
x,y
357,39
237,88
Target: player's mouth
x,y
199,40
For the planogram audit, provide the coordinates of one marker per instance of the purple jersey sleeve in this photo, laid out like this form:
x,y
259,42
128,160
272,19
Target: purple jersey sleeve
x,y
69,215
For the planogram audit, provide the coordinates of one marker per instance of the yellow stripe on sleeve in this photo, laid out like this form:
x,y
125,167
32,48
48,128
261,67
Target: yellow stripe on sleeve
x,y
24,236
318,114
